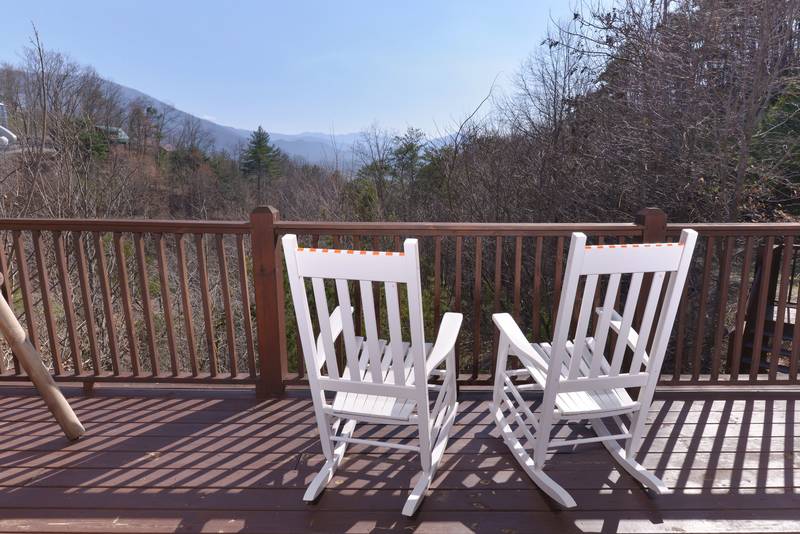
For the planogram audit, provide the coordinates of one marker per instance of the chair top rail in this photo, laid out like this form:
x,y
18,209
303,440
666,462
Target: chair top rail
x,y
128,225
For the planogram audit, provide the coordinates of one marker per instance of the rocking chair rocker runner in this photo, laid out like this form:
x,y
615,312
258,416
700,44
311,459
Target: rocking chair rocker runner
x,y
384,382
579,379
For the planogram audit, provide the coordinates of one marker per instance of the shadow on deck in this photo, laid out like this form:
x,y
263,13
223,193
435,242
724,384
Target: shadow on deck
x,y
158,460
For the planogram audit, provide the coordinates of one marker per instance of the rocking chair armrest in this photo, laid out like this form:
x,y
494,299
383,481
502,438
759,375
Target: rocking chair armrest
x,y
445,341
616,325
517,340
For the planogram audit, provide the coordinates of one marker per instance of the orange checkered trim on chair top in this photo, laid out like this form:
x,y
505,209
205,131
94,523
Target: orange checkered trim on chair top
x,y
635,245
352,252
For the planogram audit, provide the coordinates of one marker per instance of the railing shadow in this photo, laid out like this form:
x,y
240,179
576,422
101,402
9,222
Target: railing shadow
x,y
188,460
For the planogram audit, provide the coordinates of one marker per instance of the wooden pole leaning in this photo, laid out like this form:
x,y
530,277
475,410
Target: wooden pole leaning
x,y
31,361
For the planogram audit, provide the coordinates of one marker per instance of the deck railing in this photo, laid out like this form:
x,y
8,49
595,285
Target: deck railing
x,y
204,301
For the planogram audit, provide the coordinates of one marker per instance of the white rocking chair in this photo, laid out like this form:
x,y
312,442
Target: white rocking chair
x,y
384,382
579,381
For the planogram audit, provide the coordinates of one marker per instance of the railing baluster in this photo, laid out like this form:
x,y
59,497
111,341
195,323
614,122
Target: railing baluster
x,y
701,313
188,314
498,286
208,313
69,307
735,358
761,311
127,309
476,309
7,291
777,335
536,297
144,284
166,302
25,288
86,297
105,287
517,277
226,301
244,288
457,304
559,268
437,282
722,305
44,288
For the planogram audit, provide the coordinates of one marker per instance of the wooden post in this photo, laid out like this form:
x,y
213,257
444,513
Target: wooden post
x,y
31,362
654,224
654,230
268,285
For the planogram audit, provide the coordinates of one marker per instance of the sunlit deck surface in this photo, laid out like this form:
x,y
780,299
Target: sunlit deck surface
x,y
167,460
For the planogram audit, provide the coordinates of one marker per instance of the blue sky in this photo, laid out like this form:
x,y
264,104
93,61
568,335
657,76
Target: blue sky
x,y
296,66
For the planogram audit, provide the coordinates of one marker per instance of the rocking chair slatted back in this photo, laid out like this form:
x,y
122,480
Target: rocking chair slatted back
x,y
366,358
616,268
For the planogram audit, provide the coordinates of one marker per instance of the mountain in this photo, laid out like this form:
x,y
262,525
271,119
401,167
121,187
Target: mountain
x,y
313,147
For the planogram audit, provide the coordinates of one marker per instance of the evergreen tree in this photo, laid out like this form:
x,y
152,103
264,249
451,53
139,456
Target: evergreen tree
x,y
260,158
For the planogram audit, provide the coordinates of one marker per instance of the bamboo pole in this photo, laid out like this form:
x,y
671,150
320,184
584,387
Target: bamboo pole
x,y
31,361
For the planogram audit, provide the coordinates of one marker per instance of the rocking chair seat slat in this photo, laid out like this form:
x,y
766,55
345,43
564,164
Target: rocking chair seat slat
x,y
349,405
576,403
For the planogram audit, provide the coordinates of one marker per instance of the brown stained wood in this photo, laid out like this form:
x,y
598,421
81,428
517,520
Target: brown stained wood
x,y
701,313
25,288
476,308
47,305
188,313
763,289
517,277
69,306
457,303
108,307
147,307
722,306
208,312
127,309
536,296
498,287
232,469
244,289
86,298
166,302
680,338
437,282
6,290
735,353
559,274
780,318
230,327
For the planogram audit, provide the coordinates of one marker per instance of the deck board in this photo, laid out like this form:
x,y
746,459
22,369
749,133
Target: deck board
x,y
218,460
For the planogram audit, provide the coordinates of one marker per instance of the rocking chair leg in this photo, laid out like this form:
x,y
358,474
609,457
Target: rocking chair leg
x,y
415,498
545,483
634,468
329,469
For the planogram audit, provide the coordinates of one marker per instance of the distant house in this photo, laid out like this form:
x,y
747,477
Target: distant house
x,y
115,135
6,136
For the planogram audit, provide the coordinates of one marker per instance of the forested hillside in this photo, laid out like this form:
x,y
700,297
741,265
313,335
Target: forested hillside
x,y
689,105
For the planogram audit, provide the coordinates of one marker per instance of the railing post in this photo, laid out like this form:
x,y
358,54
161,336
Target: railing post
x,y
654,224
268,285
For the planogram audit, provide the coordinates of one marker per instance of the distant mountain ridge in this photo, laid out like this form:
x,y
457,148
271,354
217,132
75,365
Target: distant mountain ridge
x,y
313,147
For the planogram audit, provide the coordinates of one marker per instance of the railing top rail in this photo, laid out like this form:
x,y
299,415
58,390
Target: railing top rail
x,y
128,225
456,229
737,229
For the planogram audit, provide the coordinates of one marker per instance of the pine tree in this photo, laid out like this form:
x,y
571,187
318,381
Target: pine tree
x,y
260,158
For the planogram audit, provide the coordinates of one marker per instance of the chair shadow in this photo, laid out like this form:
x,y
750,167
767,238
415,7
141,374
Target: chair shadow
x,y
186,460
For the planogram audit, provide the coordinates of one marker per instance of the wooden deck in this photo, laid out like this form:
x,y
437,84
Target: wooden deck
x,y
156,460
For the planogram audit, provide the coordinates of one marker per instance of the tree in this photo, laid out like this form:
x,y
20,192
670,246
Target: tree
x,y
260,159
